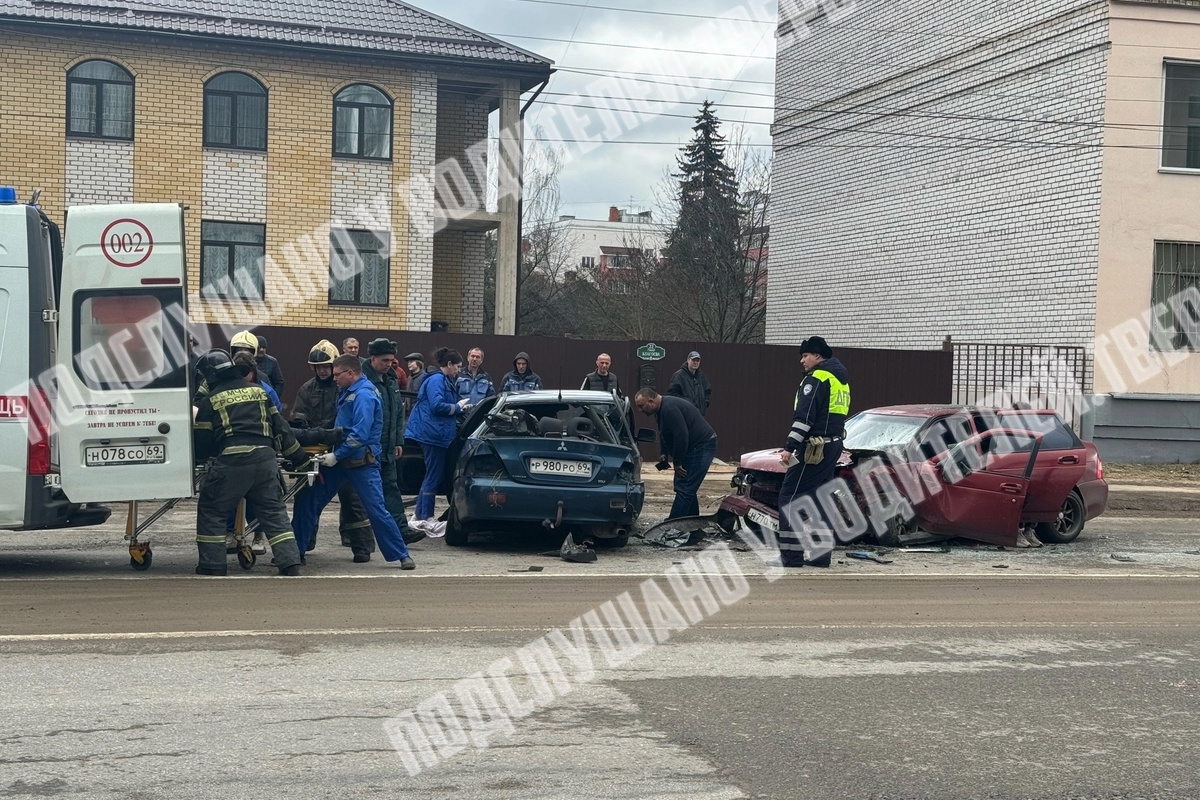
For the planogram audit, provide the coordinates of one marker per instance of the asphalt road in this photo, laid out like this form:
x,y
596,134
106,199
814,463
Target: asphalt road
x,y
811,686
1063,673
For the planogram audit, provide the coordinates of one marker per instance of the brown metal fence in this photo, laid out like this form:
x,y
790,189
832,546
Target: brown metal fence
x,y
1024,375
753,385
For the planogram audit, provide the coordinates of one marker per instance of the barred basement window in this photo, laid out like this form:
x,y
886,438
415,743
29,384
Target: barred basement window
x,y
231,260
99,101
1181,117
359,264
1176,296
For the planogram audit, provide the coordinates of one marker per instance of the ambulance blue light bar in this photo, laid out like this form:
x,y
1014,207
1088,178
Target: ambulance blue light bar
x,y
8,195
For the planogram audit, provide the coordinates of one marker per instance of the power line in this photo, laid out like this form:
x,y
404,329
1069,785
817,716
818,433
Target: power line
x,y
648,11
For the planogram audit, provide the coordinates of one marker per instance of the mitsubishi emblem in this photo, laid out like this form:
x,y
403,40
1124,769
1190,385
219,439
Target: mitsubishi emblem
x,y
562,446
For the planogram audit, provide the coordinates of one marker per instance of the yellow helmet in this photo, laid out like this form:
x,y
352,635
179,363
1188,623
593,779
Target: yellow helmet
x,y
323,352
244,339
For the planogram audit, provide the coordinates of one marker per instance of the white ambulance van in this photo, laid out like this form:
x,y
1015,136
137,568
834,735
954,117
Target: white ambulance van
x,y
30,260
94,400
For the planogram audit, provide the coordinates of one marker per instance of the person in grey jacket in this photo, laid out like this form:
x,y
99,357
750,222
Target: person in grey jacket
x,y
690,383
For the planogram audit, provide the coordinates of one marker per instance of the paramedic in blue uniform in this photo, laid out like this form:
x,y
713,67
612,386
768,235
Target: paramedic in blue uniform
x,y
356,460
822,403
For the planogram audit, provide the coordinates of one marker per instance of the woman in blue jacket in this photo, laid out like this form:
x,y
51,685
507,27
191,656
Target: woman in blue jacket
x,y
433,424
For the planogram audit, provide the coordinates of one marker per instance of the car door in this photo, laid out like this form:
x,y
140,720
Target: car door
x,y
1061,462
469,424
983,483
123,407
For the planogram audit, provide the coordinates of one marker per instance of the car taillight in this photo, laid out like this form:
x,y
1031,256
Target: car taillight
x,y
1099,467
39,432
484,464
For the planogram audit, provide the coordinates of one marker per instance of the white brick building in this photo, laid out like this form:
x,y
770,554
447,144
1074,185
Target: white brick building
x,y
995,171
603,248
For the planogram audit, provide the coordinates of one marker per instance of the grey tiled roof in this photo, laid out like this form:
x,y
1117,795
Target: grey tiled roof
x,y
385,26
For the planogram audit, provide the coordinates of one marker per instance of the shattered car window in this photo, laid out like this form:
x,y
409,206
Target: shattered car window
x,y
589,422
868,431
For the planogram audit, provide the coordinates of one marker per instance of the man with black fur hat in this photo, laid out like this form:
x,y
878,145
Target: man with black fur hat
x,y
812,449
381,360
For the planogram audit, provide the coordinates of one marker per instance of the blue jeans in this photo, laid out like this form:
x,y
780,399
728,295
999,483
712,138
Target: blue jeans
x,y
435,461
687,487
369,486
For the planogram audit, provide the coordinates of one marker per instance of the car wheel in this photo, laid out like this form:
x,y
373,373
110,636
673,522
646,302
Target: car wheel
x,y
611,542
896,527
456,535
1069,524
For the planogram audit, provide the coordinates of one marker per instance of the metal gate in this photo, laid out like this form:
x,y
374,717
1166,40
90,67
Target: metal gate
x,y
1022,376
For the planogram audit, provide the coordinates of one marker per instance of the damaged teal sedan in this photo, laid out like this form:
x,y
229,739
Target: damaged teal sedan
x,y
559,460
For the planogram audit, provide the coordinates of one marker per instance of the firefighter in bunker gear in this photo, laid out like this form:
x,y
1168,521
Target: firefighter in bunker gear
x,y
811,451
237,426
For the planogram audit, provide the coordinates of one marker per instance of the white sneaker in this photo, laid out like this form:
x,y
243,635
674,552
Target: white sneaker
x,y
1031,535
259,545
1022,541
436,530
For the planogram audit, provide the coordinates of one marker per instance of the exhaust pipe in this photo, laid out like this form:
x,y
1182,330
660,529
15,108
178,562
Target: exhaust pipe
x,y
548,525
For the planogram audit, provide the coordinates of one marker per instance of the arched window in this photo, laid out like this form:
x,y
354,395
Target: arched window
x,y
99,101
235,112
362,123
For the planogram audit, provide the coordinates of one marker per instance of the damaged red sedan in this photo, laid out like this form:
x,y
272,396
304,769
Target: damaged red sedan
x,y
992,471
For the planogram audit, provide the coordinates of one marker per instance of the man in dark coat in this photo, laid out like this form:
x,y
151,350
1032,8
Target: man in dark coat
x,y
690,383
268,367
687,440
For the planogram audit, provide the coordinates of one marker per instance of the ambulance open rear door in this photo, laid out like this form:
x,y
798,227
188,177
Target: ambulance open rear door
x,y
123,408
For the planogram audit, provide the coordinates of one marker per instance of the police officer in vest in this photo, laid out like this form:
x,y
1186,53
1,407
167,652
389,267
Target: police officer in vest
x,y
812,450
237,423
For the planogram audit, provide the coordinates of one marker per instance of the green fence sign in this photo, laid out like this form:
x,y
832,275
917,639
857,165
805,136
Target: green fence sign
x,y
651,352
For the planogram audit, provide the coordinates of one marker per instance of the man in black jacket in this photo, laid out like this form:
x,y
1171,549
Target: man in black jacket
x,y
687,440
690,383
238,426
268,367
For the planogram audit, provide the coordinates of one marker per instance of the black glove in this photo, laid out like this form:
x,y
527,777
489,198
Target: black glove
x,y
299,423
299,460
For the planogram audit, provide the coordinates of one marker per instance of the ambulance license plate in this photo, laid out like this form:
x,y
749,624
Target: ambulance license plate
x,y
765,520
560,466
113,455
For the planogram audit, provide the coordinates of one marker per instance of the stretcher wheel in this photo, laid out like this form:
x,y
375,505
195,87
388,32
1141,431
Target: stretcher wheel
x,y
144,564
246,558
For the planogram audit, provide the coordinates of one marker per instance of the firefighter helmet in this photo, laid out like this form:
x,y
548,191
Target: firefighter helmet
x,y
215,366
244,339
323,353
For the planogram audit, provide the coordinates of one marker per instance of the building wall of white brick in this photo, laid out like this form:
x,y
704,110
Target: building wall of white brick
x,y
950,184
99,172
418,301
235,186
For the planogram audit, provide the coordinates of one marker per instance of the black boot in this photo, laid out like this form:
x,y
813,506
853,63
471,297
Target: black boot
x,y
292,572
219,572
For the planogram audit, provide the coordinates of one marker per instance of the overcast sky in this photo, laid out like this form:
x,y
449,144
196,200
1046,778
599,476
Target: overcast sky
x,y
600,52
